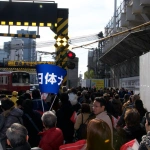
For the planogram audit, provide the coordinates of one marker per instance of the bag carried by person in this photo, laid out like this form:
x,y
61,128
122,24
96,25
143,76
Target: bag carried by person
x,y
81,133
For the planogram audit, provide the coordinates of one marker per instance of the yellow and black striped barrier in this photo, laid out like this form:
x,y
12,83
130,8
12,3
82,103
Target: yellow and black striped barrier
x,y
27,63
34,36
62,40
31,70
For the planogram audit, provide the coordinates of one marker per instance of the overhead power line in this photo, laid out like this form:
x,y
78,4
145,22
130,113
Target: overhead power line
x,y
74,40
116,34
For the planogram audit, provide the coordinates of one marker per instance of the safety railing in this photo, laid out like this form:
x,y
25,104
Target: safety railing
x,y
109,29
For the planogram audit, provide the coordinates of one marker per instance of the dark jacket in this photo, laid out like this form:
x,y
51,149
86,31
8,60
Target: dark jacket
x,y
116,108
63,121
26,146
13,115
34,139
130,133
39,105
145,143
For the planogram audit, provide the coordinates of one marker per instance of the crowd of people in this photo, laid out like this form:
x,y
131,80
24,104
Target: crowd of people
x,y
74,119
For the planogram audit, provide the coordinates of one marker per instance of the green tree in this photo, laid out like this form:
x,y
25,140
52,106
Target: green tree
x,y
89,74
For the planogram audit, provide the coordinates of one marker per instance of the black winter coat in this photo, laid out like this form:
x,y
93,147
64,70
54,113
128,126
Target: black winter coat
x,y
63,121
130,133
26,146
34,138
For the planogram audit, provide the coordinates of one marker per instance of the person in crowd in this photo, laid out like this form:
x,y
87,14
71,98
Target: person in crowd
x,y
145,143
63,118
108,104
98,138
116,106
122,92
79,97
73,98
38,103
17,138
51,137
98,135
126,101
100,112
26,96
83,98
131,104
14,97
133,129
32,122
19,102
10,115
142,111
82,118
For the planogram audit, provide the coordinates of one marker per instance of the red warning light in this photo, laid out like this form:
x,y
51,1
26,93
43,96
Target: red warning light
x,y
71,55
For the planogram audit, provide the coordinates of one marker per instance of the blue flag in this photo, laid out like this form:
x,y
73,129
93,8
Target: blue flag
x,y
50,77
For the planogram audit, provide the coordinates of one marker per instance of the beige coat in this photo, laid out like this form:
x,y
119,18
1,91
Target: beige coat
x,y
103,116
79,120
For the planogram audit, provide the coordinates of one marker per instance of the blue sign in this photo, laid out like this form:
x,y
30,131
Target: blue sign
x,y
50,77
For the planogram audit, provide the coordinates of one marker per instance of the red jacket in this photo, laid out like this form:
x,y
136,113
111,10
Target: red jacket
x,y
79,145
51,139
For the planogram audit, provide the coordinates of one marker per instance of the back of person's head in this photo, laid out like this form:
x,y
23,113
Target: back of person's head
x,y
98,135
139,104
100,100
79,93
20,100
49,119
135,97
64,98
106,96
117,96
36,94
17,135
85,108
73,90
27,105
126,97
26,96
84,92
132,117
6,104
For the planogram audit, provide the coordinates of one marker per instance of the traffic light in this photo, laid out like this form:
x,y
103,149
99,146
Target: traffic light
x,y
71,55
70,62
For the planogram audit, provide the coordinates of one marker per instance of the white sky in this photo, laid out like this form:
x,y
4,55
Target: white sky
x,y
86,17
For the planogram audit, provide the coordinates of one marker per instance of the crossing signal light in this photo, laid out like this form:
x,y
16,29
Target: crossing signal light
x,y
70,63
71,55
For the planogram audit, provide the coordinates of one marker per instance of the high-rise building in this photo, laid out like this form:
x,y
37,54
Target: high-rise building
x,y
3,55
29,49
16,52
